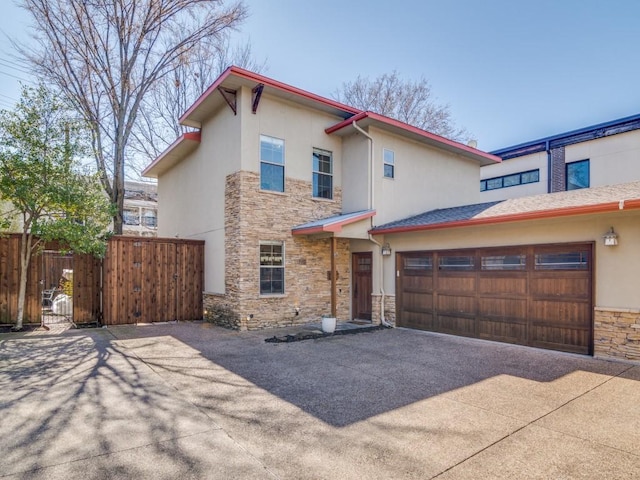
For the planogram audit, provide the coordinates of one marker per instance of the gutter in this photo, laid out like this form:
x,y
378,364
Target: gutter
x,y
370,172
632,204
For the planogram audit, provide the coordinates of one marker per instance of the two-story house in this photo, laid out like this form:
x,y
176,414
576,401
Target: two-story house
x,y
284,185
308,206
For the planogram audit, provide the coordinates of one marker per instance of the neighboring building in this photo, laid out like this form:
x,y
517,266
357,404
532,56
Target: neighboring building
x,y
603,154
140,213
303,203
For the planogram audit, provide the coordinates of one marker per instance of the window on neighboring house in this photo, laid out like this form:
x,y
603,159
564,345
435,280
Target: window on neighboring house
x,y
513,179
271,164
322,174
577,175
131,217
271,268
389,159
149,218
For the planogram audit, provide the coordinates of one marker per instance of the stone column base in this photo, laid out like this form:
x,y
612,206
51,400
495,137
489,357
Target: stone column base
x,y
616,333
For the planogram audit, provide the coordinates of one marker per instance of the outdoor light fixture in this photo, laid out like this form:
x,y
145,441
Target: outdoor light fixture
x,y
610,238
386,249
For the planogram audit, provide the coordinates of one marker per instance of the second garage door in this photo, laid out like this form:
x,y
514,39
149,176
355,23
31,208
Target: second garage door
x,y
533,295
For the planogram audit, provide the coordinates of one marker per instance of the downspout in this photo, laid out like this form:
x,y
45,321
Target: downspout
x,y
370,171
549,166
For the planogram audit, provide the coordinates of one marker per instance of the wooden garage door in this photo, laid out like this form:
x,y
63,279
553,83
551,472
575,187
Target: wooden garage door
x,y
533,295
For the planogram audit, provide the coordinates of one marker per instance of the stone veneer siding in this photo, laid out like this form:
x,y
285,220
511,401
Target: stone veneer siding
x,y
389,309
616,333
252,216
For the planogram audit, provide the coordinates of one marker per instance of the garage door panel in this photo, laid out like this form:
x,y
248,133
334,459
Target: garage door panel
x,y
417,283
561,286
508,308
454,304
503,330
502,285
418,320
457,324
564,339
540,296
560,314
456,283
418,301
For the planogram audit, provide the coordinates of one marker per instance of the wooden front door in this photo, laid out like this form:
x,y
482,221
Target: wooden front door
x,y
362,285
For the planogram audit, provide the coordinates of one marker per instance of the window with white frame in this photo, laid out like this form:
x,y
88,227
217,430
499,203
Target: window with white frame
x,y
271,268
271,163
322,174
389,159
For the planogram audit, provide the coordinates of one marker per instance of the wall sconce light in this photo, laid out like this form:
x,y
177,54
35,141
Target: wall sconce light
x,y
610,238
386,249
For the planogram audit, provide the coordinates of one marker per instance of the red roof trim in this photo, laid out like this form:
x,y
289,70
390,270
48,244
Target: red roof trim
x,y
241,72
332,227
410,128
189,136
516,217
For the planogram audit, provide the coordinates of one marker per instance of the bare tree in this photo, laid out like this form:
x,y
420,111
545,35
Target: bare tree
x,y
409,101
170,97
105,55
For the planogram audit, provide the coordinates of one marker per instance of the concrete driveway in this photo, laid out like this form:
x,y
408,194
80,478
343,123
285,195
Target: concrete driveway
x,y
190,400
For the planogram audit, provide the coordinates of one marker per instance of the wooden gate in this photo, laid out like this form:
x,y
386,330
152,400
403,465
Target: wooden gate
x,y
140,280
152,280
538,295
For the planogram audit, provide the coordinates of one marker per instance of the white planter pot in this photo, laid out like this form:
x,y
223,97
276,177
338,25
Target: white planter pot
x,y
328,324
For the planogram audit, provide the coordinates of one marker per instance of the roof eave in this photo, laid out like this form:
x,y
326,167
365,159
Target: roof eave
x,y
188,120
516,217
422,135
333,227
186,143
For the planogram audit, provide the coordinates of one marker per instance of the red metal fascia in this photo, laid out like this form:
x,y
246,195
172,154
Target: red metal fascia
x,y
332,227
516,217
241,72
412,129
189,136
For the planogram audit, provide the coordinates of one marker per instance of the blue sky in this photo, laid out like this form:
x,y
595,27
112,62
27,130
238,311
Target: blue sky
x,y
511,71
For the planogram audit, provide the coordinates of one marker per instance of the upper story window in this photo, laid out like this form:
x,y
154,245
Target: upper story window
x,y
271,164
577,175
389,159
511,180
322,174
271,268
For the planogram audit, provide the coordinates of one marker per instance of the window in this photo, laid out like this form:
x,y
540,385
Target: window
x,y
149,218
131,217
562,261
457,262
510,180
577,175
322,174
418,263
271,268
389,159
504,262
271,164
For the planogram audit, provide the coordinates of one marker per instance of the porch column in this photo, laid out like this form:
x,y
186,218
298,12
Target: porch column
x,y
334,283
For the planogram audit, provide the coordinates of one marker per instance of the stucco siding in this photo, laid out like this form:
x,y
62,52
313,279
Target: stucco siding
x,y
301,129
355,172
516,165
191,194
425,179
612,159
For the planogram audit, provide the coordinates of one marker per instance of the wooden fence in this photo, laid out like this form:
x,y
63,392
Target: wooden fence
x,y
140,280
